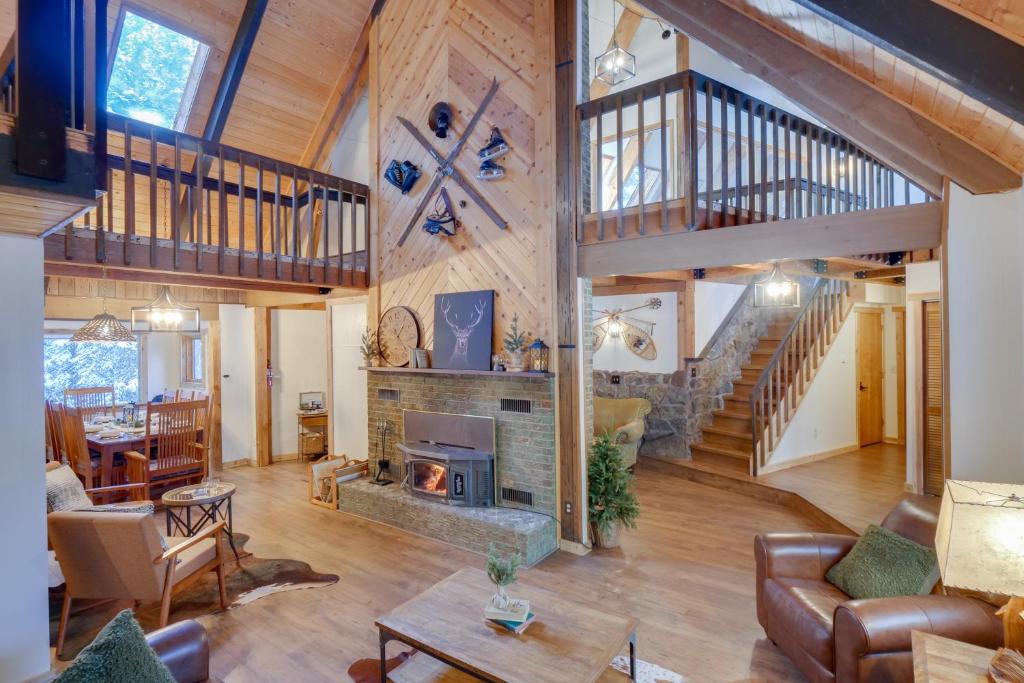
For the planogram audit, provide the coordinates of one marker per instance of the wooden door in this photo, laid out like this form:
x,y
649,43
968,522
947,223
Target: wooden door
x,y
900,315
931,351
870,377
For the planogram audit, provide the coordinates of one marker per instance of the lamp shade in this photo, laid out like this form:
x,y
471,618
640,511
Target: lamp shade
x,y
103,328
980,537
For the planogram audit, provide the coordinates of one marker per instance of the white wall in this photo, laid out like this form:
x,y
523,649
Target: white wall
x,y
349,418
827,417
986,322
24,629
350,158
712,301
237,397
613,354
162,357
298,355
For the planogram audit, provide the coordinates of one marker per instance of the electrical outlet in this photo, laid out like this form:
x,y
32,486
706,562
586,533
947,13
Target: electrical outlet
x,y
616,379
568,508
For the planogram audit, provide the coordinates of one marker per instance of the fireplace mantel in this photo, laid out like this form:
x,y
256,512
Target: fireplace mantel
x,y
460,373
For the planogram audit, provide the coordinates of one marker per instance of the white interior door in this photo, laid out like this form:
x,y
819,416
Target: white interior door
x,y
237,395
349,418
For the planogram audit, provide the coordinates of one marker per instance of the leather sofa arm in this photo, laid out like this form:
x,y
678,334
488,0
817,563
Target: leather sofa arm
x,y
184,648
798,555
867,628
630,432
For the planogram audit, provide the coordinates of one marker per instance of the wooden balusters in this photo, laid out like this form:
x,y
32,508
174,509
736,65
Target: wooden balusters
x,y
709,153
724,142
259,218
154,163
664,157
199,194
174,201
129,195
620,229
241,214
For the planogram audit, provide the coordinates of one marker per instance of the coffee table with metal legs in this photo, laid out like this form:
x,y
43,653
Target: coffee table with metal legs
x,y
190,508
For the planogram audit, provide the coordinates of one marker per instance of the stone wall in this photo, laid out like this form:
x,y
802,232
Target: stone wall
x,y
525,458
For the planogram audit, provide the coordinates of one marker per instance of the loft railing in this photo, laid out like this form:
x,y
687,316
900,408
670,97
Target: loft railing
x,y
688,152
776,395
223,210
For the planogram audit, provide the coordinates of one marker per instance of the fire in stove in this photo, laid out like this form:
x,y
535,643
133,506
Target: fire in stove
x,y
449,458
430,478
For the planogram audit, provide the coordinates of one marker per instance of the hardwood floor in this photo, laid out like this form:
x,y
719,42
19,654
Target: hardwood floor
x,y
687,574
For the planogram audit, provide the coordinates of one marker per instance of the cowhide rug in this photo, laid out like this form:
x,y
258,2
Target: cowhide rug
x,y
250,580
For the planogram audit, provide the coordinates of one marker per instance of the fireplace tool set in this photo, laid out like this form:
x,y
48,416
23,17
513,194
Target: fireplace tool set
x,y
383,464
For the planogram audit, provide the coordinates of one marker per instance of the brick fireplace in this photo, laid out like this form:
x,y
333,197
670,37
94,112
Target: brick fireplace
x,y
521,406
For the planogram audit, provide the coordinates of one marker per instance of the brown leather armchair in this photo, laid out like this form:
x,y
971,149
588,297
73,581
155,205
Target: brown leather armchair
x,y
830,637
184,649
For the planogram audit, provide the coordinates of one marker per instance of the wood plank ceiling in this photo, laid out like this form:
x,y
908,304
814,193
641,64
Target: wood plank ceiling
x,y
987,129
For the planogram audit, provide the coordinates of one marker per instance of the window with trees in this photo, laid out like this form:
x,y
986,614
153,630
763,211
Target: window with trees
x,y
192,359
68,364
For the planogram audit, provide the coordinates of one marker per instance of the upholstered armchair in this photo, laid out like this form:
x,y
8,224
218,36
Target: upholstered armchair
x,y
830,637
122,556
623,420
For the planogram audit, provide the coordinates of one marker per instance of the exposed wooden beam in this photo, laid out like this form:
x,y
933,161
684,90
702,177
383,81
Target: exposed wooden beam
x,y
685,326
894,133
899,228
264,424
884,273
234,67
974,60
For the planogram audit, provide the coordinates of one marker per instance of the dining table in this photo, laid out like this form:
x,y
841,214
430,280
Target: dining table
x,y
109,447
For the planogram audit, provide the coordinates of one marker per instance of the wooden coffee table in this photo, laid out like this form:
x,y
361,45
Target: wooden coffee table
x,y
568,642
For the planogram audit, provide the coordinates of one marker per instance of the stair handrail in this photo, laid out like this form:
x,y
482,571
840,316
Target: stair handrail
x,y
769,367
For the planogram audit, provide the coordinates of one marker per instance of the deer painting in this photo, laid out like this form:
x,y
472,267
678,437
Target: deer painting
x,y
458,317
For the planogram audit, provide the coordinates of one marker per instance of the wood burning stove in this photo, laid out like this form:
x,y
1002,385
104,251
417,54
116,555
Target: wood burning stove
x,y
449,458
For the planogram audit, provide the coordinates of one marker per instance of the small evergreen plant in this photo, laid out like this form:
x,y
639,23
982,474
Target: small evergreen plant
x,y
514,339
609,487
502,571
370,348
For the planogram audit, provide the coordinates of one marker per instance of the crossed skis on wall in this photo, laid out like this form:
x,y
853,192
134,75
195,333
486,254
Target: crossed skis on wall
x,y
446,168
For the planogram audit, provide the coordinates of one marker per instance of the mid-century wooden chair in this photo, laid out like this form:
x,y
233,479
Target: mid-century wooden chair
x,y
76,450
173,453
90,400
54,432
106,556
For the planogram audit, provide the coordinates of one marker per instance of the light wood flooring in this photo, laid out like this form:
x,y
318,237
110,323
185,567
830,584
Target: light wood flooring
x,y
687,574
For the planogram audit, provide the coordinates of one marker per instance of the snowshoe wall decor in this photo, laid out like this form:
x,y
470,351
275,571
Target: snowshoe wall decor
x,y
440,118
402,175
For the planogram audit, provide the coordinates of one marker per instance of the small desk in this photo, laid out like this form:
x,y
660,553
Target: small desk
x,y
312,423
568,642
941,660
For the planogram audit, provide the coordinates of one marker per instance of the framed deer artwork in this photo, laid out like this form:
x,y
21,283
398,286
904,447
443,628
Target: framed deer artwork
x,y
462,330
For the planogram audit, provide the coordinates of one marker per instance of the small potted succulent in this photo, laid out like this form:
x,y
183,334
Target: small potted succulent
x,y
370,348
503,572
516,344
611,501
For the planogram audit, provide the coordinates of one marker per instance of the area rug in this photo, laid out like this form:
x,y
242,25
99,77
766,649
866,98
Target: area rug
x,y
368,670
250,580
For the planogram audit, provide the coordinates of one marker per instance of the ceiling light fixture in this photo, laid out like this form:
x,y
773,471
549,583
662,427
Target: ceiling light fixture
x,y
616,65
776,291
103,328
164,314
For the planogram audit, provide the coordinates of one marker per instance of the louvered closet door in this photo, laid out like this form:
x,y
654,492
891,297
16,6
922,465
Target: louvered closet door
x,y
934,462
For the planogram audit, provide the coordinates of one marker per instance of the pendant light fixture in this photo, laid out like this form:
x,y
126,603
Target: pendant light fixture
x,y
164,314
103,328
776,290
616,65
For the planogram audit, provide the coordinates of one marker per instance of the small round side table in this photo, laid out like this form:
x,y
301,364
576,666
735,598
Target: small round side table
x,y
212,506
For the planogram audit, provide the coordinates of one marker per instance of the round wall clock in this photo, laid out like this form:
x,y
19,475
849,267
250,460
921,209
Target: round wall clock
x,y
398,333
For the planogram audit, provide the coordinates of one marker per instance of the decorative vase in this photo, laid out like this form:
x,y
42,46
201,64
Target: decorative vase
x,y
516,361
501,600
609,538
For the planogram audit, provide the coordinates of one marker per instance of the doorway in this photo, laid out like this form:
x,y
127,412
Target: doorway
x,y
870,377
931,362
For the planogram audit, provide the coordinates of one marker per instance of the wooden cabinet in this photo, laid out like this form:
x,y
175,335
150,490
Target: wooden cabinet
x,y
312,434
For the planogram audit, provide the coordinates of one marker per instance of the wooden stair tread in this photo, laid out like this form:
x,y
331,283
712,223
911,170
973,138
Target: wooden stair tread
x,y
721,450
735,414
724,431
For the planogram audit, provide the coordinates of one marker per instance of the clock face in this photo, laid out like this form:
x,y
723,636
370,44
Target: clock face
x,y
398,332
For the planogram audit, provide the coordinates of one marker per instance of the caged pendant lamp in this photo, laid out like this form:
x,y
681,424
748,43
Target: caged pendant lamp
x,y
616,65
776,291
164,314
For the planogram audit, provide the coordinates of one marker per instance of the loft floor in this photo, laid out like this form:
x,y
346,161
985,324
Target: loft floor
x,y
687,574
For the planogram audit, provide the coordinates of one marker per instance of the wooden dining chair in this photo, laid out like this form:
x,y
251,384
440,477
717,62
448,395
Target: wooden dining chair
x,y
76,450
90,401
173,453
54,432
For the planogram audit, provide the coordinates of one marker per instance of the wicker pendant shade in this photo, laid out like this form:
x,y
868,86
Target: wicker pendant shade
x,y
103,328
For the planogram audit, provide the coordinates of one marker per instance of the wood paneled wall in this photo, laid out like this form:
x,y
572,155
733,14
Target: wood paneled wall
x,y
423,51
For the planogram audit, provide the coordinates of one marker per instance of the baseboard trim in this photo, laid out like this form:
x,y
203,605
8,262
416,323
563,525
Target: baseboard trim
x,y
284,457
235,464
894,442
814,457
573,547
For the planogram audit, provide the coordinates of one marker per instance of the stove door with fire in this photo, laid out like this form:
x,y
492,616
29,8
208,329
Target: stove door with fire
x,y
429,477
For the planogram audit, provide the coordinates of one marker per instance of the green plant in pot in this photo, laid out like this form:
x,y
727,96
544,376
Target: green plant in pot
x,y
370,347
515,343
610,498
503,572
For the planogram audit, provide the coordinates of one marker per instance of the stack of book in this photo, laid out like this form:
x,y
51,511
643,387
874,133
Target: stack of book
x,y
515,619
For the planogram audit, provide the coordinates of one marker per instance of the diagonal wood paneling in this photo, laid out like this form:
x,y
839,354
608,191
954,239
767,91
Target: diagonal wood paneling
x,y
431,50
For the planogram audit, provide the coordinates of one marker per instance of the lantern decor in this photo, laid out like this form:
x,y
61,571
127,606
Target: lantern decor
x,y
776,291
616,65
164,314
539,353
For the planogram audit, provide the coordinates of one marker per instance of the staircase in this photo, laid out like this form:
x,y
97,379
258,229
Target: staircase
x,y
745,431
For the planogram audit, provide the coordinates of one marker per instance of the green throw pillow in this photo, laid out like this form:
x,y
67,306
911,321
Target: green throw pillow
x,y
119,653
883,564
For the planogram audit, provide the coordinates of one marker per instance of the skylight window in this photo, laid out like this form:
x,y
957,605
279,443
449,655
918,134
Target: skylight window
x,y
155,73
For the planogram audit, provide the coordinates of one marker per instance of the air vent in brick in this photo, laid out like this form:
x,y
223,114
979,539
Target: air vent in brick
x,y
516,405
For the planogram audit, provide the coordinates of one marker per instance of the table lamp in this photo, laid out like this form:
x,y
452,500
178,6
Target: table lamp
x,y
980,545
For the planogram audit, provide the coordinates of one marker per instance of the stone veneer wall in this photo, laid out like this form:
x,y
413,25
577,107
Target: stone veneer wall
x,y
682,401
525,455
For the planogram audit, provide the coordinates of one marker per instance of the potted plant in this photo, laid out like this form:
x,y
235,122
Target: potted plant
x,y
503,572
370,348
515,344
611,501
